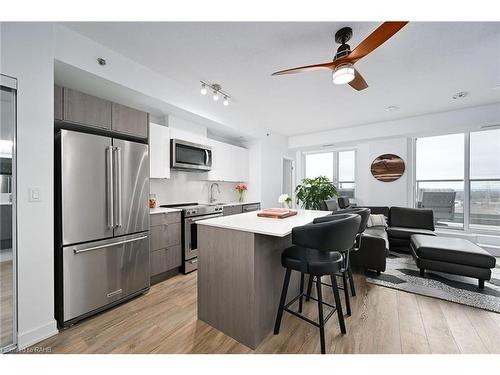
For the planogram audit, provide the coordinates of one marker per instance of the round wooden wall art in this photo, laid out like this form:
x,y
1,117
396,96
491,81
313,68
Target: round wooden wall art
x,y
388,167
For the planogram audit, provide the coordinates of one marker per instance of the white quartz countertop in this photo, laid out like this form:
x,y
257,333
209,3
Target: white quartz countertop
x,y
163,210
250,222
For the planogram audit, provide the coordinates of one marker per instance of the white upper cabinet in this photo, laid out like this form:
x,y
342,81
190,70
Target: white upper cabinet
x,y
159,151
187,131
229,163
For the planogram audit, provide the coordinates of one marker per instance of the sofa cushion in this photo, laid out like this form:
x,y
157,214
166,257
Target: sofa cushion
x,y
377,220
378,232
451,250
411,218
405,233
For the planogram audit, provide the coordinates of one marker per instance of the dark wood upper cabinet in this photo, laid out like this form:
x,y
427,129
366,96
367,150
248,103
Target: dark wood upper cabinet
x,y
86,109
58,103
129,120
72,106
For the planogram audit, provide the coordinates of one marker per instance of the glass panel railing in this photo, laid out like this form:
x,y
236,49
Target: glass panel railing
x,y
446,199
485,204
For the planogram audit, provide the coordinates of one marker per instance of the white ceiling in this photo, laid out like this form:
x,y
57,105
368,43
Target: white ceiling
x,y
419,69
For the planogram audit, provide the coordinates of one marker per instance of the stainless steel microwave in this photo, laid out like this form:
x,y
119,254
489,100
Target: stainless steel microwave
x,y
189,156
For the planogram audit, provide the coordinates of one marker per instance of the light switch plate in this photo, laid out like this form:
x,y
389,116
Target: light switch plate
x,y
34,194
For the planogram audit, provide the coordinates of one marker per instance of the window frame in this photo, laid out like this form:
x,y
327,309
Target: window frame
x,y
466,181
335,172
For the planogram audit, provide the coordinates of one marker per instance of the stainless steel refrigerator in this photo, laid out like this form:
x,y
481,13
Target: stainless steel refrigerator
x,y
102,214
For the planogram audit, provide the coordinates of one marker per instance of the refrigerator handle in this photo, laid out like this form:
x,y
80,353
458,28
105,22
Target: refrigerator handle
x,y
109,185
118,186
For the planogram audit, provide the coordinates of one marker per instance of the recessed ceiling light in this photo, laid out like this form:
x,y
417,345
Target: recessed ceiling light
x,y
392,108
460,95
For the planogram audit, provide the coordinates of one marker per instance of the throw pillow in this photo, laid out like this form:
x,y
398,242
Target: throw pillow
x,y
377,221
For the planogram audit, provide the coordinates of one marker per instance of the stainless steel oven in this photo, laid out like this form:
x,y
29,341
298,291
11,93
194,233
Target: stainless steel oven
x,y
190,156
190,240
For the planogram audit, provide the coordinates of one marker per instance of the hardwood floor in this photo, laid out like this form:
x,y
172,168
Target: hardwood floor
x,y
383,321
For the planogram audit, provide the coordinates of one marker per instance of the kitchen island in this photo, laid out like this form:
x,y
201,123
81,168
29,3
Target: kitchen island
x,y
240,274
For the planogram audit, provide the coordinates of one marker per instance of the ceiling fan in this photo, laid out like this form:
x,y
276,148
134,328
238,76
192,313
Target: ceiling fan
x,y
344,60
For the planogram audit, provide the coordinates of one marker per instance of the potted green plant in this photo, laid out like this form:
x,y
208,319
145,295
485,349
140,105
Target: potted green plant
x,y
314,190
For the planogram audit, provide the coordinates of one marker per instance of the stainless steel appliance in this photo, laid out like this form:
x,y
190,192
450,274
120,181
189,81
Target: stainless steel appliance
x,y
189,156
192,213
102,250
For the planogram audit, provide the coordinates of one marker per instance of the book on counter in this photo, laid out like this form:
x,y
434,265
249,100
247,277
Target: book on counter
x,y
276,213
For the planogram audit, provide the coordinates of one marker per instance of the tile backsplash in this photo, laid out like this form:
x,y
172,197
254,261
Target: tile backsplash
x,y
184,187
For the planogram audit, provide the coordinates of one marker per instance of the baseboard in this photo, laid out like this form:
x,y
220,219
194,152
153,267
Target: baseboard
x,y
38,334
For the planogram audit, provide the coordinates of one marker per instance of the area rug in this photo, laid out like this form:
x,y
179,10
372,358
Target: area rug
x,y
403,274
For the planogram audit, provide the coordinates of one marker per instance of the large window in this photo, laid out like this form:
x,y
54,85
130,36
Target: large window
x,y
485,179
338,166
458,177
346,173
440,178
320,164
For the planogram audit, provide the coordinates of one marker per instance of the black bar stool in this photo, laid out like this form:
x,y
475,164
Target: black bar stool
x,y
316,253
364,214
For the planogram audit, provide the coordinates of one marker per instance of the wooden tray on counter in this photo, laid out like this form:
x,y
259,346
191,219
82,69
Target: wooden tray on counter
x,y
276,213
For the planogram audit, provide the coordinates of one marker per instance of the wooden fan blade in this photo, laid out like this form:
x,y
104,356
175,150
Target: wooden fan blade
x,y
358,83
376,39
310,68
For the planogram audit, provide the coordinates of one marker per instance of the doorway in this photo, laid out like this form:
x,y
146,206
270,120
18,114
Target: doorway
x,y
288,177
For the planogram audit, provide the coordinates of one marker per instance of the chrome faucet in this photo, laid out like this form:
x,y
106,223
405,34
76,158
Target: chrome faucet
x,y
212,199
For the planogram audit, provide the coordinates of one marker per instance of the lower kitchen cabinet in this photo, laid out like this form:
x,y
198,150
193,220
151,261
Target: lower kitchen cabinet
x,y
235,209
165,259
165,246
232,210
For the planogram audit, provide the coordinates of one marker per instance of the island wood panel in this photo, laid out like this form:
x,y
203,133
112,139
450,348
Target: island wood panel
x,y
239,282
268,281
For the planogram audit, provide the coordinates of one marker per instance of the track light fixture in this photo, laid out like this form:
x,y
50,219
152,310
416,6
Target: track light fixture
x,y
203,90
216,91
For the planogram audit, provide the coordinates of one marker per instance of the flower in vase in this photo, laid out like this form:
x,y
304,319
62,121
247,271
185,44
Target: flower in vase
x,y
241,189
285,199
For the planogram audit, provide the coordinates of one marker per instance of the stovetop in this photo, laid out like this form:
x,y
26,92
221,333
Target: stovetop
x,y
196,209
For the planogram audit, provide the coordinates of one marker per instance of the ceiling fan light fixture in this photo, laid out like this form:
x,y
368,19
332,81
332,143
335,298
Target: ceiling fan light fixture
x,y
343,74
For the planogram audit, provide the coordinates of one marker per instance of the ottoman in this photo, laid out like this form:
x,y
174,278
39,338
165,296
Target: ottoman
x,y
452,255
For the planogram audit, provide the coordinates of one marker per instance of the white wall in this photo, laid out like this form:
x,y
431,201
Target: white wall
x,y
431,124
27,54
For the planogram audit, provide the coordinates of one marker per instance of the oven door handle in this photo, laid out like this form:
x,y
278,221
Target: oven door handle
x,y
195,219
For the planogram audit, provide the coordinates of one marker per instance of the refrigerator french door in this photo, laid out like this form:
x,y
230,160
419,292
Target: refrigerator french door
x,y
8,320
103,257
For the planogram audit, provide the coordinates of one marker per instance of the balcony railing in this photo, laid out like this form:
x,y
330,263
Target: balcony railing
x,y
447,199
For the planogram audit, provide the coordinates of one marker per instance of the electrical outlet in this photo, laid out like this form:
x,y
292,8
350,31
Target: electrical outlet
x,y
34,194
